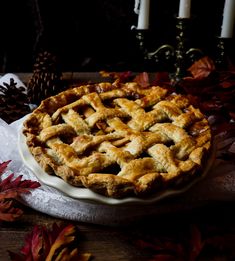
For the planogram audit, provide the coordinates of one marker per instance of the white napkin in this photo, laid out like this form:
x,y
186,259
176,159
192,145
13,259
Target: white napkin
x,y
6,79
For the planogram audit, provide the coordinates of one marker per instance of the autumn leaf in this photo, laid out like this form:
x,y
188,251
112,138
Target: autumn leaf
x,y
196,243
58,244
164,249
227,79
120,76
8,212
222,242
11,188
202,68
142,79
189,245
161,79
3,166
227,84
232,115
165,257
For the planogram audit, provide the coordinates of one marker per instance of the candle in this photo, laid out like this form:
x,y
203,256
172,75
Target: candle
x,y
228,19
143,19
184,9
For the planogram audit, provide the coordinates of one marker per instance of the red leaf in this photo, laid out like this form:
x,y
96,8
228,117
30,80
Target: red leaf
x,y
17,184
232,115
11,188
227,84
47,245
3,166
8,212
161,79
221,242
196,244
125,76
211,106
202,68
142,79
16,257
120,76
227,79
170,248
10,194
164,257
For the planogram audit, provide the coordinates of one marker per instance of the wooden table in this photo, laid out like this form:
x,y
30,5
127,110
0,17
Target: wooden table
x,y
107,243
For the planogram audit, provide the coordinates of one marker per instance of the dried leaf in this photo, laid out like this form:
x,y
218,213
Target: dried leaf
x,y
8,212
121,76
3,166
57,244
211,106
227,84
17,257
172,249
10,189
202,68
142,79
66,236
164,257
196,244
232,115
227,79
222,242
162,79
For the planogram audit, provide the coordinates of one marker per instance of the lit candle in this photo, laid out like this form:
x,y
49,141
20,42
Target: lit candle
x,y
143,19
185,8
228,19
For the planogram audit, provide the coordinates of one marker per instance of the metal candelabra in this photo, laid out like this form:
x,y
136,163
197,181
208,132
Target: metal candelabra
x,y
181,54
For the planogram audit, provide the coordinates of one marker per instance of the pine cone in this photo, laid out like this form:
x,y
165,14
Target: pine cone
x,y
46,78
13,102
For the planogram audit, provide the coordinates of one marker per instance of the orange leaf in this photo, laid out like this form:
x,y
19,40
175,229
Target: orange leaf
x,y
202,68
142,79
227,84
57,244
120,76
10,194
65,237
73,255
8,212
60,250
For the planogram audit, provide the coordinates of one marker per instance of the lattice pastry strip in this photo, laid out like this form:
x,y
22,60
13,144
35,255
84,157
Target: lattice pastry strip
x,y
119,139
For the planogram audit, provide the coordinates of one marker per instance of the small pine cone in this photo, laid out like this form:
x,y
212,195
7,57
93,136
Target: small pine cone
x,y
13,102
46,79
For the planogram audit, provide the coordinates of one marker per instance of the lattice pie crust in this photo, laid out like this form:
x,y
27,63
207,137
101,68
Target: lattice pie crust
x,y
119,139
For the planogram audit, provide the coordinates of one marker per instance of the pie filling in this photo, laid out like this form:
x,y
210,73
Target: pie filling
x,y
119,139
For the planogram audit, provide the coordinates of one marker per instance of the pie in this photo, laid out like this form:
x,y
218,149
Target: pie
x,y
119,139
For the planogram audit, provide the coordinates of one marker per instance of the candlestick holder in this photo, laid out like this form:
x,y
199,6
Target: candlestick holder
x,y
180,54
165,51
222,47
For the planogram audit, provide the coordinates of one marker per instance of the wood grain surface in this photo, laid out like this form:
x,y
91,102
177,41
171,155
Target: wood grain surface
x,y
109,243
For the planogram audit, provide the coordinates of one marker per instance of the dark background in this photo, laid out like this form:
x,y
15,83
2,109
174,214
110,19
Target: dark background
x,y
93,35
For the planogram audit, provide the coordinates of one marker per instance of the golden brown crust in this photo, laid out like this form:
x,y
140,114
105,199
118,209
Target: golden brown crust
x,y
119,139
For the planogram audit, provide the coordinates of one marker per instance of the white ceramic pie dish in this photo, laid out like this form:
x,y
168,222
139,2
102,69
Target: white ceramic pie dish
x,y
88,195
